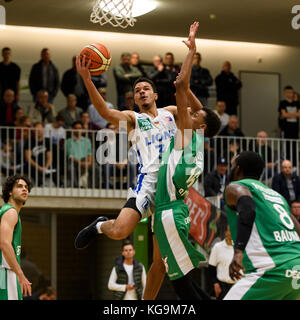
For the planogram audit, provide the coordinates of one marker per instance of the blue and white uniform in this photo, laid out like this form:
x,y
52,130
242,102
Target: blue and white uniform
x,y
150,139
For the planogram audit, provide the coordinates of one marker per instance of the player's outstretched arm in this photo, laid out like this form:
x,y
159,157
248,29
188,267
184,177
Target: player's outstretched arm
x,y
110,115
184,120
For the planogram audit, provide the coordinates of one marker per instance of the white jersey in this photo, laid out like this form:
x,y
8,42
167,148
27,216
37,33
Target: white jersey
x,y
151,138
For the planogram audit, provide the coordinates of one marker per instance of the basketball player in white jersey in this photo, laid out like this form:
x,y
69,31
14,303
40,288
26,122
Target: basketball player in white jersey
x,y
150,131
153,129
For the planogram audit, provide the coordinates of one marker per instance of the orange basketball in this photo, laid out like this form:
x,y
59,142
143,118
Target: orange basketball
x,y
99,56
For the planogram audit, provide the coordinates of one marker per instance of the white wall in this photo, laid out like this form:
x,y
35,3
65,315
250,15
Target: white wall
x,y
27,42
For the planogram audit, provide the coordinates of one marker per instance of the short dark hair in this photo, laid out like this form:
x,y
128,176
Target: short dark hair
x,y
251,163
9,184
144,79
288,88
169,54
212,121
126,242
60,117
295,201
5,49
76,122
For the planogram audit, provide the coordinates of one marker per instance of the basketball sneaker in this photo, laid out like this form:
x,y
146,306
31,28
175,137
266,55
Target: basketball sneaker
x,y
88,234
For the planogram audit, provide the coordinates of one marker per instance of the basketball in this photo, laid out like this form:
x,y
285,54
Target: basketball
x,y
99,56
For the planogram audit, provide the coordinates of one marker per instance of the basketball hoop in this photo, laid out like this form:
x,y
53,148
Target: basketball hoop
x,y
116,12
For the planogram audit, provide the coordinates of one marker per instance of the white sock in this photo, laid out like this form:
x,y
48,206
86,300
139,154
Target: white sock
x,y
98,226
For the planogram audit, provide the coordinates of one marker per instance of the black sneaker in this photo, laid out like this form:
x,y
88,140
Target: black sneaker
x,y
89,233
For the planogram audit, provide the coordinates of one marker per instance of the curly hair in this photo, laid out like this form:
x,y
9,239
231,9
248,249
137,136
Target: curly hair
x,y
10,183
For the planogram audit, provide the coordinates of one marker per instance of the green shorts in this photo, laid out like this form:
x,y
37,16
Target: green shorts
x,y
9,285
171,228
279,283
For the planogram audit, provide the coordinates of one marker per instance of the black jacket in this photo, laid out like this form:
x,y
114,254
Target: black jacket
x,y
212,184
200,81
227,86
279,184
36,79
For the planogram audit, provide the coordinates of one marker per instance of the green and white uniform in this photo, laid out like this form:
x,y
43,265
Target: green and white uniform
x,y
272,255
9,286
179,170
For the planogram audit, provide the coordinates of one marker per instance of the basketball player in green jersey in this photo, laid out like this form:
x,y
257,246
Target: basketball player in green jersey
x,y
13,283
265,234
181,166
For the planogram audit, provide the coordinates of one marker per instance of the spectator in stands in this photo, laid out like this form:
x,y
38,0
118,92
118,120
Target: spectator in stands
x,y
44,75
215,181
228,85
233,145
209,153
38,155
94,114
295,209
7,158
125,75
220,111
55,131
19,115
265,151
128,276
10,74
287,183
86,122
71,112
289,113
79,158
23,124
129,103
218,265
162,79
56,134
232,128
234,148
73,83
135,62
200,80
8,108
100,81
119,174
42,110
174,69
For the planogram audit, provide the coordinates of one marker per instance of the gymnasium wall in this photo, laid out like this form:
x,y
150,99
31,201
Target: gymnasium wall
x,y
27,42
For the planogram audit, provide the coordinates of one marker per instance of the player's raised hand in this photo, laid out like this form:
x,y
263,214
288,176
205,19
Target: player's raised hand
x,y
190,42
82,67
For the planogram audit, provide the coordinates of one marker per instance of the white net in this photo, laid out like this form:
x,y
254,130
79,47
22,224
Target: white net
x,y
116,12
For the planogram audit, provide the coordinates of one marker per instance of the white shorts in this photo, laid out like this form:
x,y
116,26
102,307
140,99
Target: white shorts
x,y
144,192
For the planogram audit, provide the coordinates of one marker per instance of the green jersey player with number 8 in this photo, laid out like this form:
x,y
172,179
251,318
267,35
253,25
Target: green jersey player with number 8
x,y
265,234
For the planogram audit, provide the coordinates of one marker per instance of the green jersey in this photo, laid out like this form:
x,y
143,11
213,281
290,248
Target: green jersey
x,y
16,241
274,239
179,170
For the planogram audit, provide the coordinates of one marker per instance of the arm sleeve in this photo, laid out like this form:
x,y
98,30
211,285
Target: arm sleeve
x,y
213,273
246,210
112,282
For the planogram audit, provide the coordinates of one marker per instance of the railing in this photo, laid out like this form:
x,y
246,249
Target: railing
x,y
73,162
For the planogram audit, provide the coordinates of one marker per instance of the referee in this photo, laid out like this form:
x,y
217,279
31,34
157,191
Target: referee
x,y
218,265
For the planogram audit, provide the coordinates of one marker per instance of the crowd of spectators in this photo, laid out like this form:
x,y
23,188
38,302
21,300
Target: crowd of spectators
x,y
43,140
